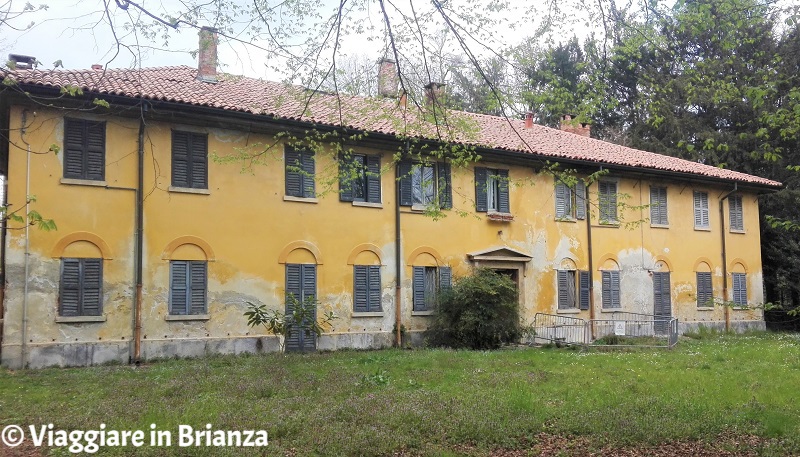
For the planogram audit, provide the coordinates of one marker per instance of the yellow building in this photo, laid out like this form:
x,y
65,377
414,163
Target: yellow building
x,y
193,194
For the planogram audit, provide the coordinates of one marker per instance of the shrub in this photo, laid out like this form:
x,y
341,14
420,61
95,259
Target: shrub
x,y
480,311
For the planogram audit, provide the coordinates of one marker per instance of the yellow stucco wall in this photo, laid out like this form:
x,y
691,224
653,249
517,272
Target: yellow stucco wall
x,y
247,230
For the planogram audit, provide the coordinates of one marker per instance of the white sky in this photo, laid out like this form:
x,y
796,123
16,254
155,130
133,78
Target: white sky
x,y
77,34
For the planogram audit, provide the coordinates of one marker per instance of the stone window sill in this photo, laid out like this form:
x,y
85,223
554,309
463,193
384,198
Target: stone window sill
x,y
705,308
608,224
83,182
187,317
500,217
289,198
740,232
79,319
611,310
423,313
659,226
368,204
702,229
369,314
566,219
189,190
568,311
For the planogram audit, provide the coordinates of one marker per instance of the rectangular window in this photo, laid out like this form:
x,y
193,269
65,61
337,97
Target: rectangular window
x,y
736,213
84,149
611,290
299,173
81,292
425,184
739,289
566,289
367,289
658,206
189,160
701,210
428,281
360,178
491,190
187,289
607,199
570,201
705,290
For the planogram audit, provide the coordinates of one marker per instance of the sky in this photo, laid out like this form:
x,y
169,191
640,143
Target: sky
x,y
77,35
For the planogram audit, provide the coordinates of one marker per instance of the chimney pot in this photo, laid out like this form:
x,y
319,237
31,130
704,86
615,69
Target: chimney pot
x,y
387,78
97,66
529,120
207,55
434,94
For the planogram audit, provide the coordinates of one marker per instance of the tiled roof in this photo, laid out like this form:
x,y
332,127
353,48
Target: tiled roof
x,y
259,97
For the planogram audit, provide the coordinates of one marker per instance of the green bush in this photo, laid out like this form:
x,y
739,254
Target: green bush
x,y
480,311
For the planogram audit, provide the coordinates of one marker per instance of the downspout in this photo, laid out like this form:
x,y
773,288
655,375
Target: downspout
x,y
725,256
24,347
590,259
137,312
398,320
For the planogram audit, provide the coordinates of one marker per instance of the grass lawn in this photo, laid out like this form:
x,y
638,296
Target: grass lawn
x,y
437,402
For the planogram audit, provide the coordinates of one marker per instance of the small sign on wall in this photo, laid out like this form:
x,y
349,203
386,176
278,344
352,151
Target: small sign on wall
x,y
619,328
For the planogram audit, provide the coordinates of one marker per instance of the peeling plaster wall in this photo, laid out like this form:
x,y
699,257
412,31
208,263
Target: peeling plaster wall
x,y
249,229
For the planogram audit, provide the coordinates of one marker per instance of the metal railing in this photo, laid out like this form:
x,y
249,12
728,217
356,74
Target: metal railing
x,y
617,329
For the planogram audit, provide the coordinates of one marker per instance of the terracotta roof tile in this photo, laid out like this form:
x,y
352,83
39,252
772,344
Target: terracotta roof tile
x,y
259,97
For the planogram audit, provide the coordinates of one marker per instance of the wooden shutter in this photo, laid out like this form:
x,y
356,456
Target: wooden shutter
x,y
503,204
345,177
606,289
373,178
580,200
180,159
445,187
701,209
406,188
84,149
481,203
309,292
92,287
179,287
198,275
374,286
445,278
658,206
615,290
293,289
294,183
70,293
74,134
608,201
563,299
361,288
735,212
199,160
307,176
419,289
95,151
739,289
704,289
562,192
584,289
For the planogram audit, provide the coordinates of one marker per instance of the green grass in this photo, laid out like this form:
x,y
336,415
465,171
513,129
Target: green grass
x,y
433,401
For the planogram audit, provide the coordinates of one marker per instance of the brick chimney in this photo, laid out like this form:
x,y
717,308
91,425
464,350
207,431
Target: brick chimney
x,y
207,55
578,128
434,94
387,78
529,120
